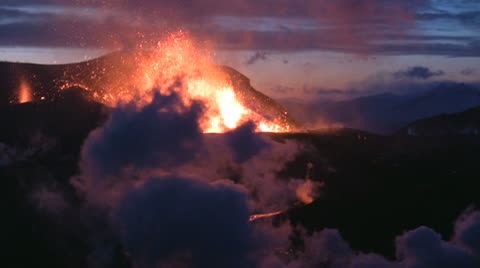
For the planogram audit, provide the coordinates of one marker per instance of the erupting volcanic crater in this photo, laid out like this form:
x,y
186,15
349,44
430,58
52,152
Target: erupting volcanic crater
x,y
175,65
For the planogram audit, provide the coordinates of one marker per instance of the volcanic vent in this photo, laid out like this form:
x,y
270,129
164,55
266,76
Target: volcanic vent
x,y
174,65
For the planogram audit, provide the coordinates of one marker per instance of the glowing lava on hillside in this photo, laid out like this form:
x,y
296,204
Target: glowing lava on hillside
x,y
24,92
177,65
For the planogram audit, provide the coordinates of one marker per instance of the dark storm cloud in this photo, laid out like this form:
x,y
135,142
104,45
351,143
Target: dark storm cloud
x,y
9,13
321,40
178,222
155,136
308,8
333,25
47,30
195,9
27,2
418,72
58,29
470,18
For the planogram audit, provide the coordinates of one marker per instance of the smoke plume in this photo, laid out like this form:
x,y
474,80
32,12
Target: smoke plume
x,y
180,222
163,186
421,247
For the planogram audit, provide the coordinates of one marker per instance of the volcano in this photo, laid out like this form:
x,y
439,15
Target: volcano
x,y
106,78
367,176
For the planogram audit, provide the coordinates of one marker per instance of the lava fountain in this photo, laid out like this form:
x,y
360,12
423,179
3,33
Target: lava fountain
x,y
24,92
255,217
178,65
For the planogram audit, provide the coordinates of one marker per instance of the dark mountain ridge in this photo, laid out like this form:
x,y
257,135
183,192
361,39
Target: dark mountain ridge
x,y
466,123
386,113
112,71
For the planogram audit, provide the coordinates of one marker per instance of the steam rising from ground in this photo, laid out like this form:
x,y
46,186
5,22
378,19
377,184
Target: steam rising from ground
x,y
422,247
166,188
176,196
180,222
184,200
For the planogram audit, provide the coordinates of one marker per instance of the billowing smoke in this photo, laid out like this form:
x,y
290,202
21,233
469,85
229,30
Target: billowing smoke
x,y
306,191
245,143
421,247
467,232
179,197
180,222
143,138
176,197
38,144
8,155
50,200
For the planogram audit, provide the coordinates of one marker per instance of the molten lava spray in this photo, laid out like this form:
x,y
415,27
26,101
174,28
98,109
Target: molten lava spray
x,y
24,92
255,217
178,65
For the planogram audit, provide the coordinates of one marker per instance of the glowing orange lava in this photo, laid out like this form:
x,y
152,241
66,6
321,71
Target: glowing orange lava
x,y
24,92
264,215
178,65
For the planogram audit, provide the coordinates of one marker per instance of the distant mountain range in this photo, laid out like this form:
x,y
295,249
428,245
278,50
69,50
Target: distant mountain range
x,y
466,123
387,113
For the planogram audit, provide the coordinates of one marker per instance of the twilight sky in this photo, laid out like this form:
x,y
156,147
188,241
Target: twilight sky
x,y
289,48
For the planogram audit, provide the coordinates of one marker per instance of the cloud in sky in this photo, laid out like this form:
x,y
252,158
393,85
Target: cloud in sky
x,y
372,26
257,56
418,72
468,71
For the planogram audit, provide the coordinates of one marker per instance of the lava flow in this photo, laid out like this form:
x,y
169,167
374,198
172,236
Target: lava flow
x,y
177,65
255,217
